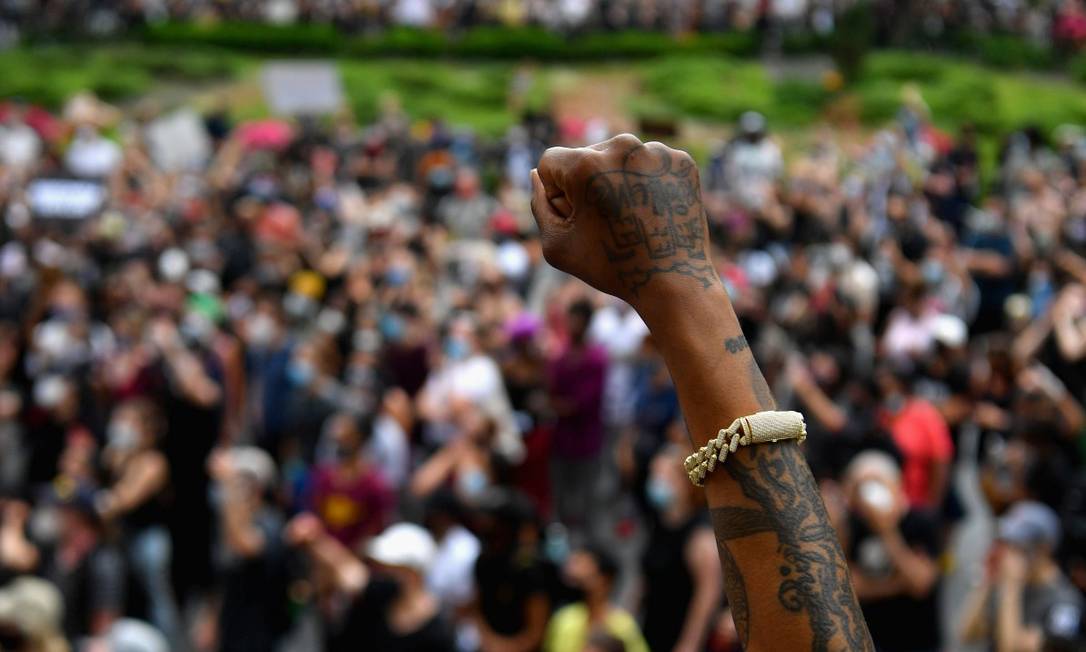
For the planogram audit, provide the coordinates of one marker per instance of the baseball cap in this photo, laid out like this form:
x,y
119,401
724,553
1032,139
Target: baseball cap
x,y
127,635
1029,524
33,605
256,463
752,122
950,331
404,544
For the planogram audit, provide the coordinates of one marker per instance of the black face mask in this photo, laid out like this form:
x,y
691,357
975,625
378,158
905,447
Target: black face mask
x,y
576,593
344,453
11,639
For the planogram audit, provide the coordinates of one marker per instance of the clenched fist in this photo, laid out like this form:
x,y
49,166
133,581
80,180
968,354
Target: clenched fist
x,y
625,217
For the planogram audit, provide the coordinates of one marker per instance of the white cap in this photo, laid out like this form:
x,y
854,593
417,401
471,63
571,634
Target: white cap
x,y
255,463
32,605
752,122
127,635
950,331
173,265
404,544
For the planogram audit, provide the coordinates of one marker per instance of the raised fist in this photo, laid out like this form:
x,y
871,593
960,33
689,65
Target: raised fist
x,y
625,217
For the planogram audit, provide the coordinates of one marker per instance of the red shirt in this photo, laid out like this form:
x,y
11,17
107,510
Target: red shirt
x,y
922,436
351,508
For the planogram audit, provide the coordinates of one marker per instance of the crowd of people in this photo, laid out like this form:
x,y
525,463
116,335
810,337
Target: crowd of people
x,y
1045,21
321,391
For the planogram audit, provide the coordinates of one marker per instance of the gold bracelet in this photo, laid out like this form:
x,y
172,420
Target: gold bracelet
x,y
760,428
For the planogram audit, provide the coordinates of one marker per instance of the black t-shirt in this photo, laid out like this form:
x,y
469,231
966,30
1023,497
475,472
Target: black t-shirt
x,y
255,604
669,586
504,585
365,626
901,623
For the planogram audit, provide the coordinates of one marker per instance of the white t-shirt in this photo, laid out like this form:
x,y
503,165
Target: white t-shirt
x,y
19,146
93,157
451,576
389,450
478,379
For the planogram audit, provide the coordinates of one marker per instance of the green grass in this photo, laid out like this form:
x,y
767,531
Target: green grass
x,y
708,88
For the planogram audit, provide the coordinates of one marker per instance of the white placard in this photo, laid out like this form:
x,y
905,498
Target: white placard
x,y
302,87
65,198
179,141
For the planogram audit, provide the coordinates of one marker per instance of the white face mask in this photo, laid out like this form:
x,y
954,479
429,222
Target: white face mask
x,y
261,330
123,435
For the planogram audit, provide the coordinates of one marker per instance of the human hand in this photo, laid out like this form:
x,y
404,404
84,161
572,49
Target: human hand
x,y
797,372
625,217
303,529
15,512
1013,565
220,465
881,521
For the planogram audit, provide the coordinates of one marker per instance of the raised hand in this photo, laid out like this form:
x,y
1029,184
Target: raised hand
x,y
624,216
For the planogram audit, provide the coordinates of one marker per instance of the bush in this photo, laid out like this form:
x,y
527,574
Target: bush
x,y
905,67
1076,67
966,98
509,43
796,102
712,88
478,42
1007,51
301,38
855,36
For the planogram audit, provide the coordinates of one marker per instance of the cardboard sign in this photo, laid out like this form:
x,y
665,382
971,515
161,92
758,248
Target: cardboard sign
x,y
65,198
179,141
302,87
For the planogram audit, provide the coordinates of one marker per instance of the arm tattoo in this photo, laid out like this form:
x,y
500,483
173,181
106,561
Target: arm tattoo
x,y
736,589
656,224
736,344
813,576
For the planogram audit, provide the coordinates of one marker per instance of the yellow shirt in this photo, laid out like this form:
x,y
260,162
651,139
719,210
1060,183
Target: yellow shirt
x,y
568,630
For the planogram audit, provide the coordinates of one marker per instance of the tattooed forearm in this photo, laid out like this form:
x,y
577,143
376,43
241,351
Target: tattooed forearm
x,y
655,222
736,589
812,575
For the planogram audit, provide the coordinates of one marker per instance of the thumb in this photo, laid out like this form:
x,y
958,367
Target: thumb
x,y
553,224
548,211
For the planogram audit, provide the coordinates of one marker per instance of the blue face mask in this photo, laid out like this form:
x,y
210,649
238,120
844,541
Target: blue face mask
x,y
397,276
456,348
556,546
661,495
300,372
473,483
392,328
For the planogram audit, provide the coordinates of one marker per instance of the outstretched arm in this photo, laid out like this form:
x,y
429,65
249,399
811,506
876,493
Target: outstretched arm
x,y
627,218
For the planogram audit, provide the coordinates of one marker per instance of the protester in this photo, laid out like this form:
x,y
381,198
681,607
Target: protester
x,y
253,615
389,609
682,582
592,574
1023,600
893,554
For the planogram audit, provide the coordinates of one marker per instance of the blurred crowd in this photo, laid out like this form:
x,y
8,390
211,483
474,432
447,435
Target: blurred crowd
x,y
1045,21
320,391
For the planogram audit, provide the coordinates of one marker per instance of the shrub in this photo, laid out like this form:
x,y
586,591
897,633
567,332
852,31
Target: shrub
x,y
855,36
1076,67
1007,51
299,38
